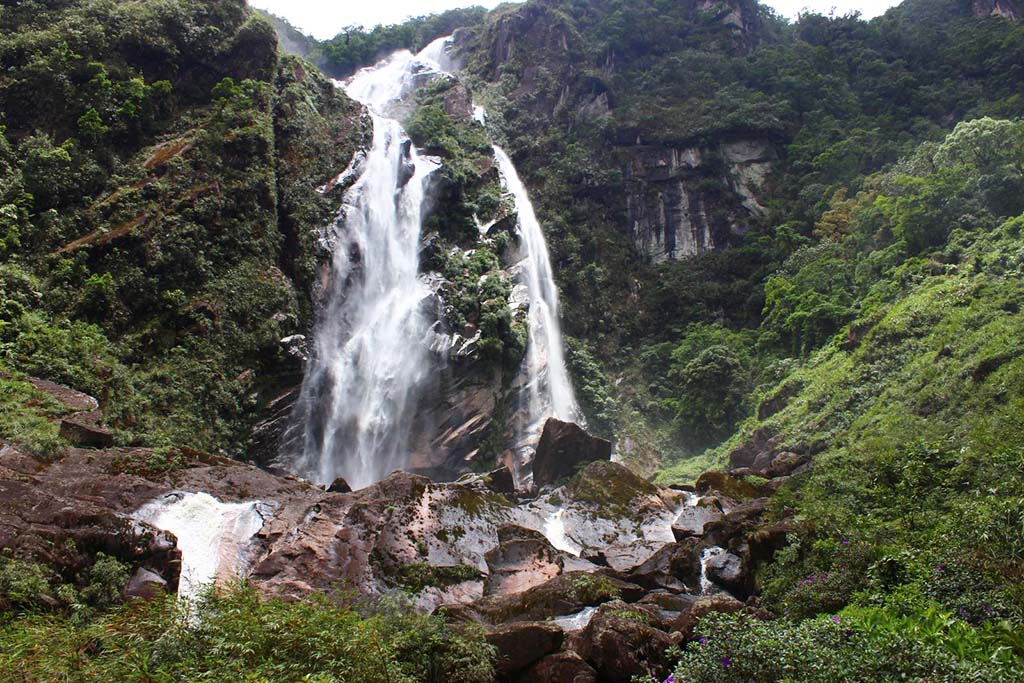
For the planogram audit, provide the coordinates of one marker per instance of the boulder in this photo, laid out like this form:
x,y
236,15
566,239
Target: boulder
x,y
729,571
564,595
688,618
339,485
736,523
675,568
784,464
145,585
520,644
83,431
561,667
620,644
692,519
760,441
563,447
727,484
523,559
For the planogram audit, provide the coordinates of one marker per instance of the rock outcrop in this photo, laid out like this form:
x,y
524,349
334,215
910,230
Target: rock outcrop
x,y
1007,9
687,201
585,583
563,447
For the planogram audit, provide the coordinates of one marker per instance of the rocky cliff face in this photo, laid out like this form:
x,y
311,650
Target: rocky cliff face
x,y
1007,9
687,201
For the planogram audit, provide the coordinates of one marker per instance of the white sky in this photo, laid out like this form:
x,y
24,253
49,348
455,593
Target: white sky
x,y
324,18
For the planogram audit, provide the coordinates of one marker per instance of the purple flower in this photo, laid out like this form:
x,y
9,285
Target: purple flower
x,y
703,640
836,619
845,542
938,567
671,679
726,662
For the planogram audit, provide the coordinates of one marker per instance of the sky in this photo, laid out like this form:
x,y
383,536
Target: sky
x,y
325,18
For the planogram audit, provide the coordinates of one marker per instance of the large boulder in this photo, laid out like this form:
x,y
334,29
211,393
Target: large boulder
x,y
561,667
686,623
564,595
727,484
620,644
523,559
674,568
730,572
520,644
692,519
563,447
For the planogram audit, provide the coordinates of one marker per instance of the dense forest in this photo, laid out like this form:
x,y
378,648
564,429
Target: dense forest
x,y
791,264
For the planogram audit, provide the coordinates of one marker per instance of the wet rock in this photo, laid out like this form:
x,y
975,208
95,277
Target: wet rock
x,y
83,431
619,644
523,559
520,644
145,585
692,519
269,434
727,484
728,571
562,448
500,481
675,568
561,667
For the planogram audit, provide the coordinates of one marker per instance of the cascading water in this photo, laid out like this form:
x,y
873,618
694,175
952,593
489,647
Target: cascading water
x,y
548,389
374,341
213,537
377,347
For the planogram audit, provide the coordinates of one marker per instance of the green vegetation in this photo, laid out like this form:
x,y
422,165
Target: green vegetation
x,y
27,416
356,47
242,636
858,645
158,166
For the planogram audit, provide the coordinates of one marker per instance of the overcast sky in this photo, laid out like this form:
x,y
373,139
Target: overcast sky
x,y
324,18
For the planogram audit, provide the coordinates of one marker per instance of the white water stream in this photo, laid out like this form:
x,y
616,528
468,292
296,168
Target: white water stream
x,y
377,344
214,537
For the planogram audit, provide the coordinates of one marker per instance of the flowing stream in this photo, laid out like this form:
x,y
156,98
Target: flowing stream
x,y
213,537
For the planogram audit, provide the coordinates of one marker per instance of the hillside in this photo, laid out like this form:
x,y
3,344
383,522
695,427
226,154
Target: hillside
x,y
789,260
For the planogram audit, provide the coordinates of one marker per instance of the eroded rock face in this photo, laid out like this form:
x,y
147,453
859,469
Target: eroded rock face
x,y
671,212
1007,9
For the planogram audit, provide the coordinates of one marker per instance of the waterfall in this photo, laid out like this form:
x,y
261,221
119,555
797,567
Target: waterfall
x,y
377,347
548,389
213,537
374,339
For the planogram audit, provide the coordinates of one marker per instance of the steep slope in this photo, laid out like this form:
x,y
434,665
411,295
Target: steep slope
x,y
160,171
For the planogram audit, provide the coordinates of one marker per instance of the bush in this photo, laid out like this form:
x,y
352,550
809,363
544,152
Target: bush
x,y
236,635
863,647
